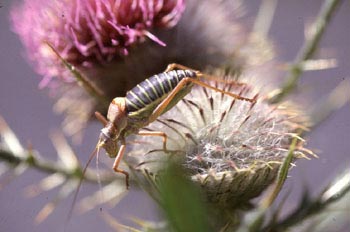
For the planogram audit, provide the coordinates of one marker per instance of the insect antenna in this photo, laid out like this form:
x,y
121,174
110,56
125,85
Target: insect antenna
x,y
92,155
81,78
98,168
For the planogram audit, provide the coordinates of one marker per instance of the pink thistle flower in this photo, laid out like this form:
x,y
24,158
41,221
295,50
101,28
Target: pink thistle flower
x,y
95,37
86,32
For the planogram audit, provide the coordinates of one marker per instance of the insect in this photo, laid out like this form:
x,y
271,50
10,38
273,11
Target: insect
x,y
144,104
141,106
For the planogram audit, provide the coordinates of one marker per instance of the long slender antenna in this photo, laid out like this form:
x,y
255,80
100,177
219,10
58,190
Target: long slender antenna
x,y
82,80
92,155
98,169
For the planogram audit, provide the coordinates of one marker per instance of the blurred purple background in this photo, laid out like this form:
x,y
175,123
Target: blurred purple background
x,y
28,111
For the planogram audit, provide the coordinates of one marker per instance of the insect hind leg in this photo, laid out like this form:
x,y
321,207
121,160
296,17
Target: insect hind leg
x,y
162,106
174,66
236,96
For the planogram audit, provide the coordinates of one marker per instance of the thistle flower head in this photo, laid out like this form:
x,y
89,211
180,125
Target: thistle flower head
x,y
95,37
86,32
231,148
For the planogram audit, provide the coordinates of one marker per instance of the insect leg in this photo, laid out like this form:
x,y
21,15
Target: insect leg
x,y
221,80
101,118
117,160
162,106
173,66
201,83
156,133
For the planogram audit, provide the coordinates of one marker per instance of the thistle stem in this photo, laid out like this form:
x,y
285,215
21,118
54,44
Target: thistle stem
x,y
311,206
308,49
282,175
265,16
51,167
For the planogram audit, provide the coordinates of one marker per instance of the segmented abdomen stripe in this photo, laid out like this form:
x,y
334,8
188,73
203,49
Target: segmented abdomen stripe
x,y
154,88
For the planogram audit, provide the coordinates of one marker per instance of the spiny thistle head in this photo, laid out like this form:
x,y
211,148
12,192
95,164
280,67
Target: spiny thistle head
x,y
230,147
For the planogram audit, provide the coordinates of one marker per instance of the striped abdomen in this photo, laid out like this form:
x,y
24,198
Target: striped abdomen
x,y
154,89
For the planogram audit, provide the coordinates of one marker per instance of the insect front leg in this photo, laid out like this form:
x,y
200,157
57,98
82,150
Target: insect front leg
x,y
117,160
101,118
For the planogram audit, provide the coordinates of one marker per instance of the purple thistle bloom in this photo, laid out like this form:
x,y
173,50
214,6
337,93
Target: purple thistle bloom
x,y
86,32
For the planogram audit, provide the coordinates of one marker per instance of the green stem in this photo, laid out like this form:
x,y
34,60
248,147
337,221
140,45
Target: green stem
x,y
308,49
282,176
307,208
52,167
270,198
